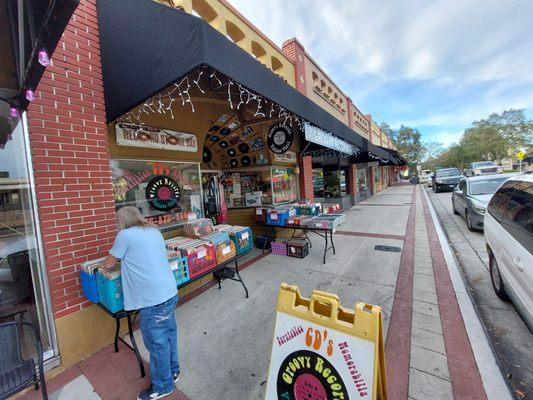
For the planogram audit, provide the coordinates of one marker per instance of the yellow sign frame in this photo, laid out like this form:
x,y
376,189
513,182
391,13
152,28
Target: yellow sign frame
x,y
324,309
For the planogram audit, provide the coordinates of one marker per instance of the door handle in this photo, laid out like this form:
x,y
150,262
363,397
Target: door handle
x,y
519,264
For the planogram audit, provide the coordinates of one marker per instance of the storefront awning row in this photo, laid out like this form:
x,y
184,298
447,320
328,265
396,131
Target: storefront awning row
x,y
146,47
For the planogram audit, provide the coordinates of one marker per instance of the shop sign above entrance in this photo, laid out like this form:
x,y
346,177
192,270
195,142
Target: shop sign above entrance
x,y
280,138
144,136
326,139
288,157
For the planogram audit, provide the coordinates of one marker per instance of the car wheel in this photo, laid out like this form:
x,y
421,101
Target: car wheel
x,y
453,207
496,278
469,222
437,189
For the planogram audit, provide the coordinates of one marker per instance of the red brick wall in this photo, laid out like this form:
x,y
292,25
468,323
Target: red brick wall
x,y
70,154
349,110
306,178
295,52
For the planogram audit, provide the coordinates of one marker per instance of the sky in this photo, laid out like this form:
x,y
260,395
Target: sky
x,y
434,65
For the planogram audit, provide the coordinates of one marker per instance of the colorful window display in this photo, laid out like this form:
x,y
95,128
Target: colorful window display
x,y
267,186
167,194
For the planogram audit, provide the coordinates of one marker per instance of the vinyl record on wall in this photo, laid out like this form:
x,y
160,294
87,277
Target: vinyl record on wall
x,y
223,144
233,163
279,138
231,152
206,155
234,125
225,131
245,161
244,148
214,138
214,128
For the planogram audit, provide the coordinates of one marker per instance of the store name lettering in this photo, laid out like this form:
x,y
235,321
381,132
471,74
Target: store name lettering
x,y
158,138
358,381
317,364
159,169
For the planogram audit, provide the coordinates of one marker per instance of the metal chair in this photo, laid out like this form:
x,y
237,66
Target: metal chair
x,y
16,373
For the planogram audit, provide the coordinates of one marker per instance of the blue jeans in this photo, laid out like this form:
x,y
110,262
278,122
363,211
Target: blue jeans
x,y
160,336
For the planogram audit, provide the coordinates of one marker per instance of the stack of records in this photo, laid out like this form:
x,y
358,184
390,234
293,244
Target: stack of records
x,y
91,266
110,273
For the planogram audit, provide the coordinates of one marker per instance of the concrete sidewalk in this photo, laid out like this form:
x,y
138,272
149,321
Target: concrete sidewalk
x,y
225,339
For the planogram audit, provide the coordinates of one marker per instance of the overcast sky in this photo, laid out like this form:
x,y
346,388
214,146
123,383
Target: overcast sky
x,y
436,65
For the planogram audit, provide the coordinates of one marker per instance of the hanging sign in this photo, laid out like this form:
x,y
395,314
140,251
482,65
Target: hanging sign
x,y
319,136
280,138
144,136
323,351
288,157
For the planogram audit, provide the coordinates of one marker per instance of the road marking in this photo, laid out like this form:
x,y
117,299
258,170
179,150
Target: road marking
x,y
491,376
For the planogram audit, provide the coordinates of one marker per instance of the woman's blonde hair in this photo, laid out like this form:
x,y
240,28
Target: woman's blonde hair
x,y
130,216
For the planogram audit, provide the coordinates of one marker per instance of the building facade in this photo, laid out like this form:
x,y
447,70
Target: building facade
x,y
79,163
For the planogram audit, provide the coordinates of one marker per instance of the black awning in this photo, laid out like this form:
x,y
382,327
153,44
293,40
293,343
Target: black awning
x,y
395,157
146,46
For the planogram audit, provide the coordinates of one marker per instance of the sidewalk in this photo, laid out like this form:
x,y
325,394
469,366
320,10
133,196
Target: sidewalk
x,y
225,339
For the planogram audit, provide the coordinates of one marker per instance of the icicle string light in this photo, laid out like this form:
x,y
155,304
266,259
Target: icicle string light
x,y
163,102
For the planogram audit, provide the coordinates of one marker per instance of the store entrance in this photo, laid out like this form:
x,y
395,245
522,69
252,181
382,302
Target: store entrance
x,y
22,297
331,183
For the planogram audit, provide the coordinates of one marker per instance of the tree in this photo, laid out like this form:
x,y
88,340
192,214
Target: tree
x,y
409,145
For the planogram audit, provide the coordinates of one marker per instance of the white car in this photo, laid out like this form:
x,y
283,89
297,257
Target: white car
x,y
483,168
509,236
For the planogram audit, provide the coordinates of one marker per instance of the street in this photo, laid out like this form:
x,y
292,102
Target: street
x,y
511,340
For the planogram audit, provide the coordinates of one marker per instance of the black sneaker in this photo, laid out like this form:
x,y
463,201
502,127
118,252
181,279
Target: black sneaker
x,y
150,394
176,378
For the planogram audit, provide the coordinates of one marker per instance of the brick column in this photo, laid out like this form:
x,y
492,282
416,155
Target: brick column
x,y
70,154
306,178
295,52
352,181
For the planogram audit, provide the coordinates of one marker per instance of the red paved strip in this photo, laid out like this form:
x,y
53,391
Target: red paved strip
x,y
466,380
382,205
371,235
398,345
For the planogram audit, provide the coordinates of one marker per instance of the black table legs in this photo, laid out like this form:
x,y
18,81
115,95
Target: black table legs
x,y
134,348
229,273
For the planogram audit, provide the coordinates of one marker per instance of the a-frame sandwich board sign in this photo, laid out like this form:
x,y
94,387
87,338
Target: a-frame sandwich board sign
x,y
322,351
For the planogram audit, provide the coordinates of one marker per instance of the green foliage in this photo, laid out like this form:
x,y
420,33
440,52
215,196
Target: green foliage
x,y
408,142
491,139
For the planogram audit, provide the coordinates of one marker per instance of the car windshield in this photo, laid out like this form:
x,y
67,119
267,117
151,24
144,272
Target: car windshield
x,y
484,164
448,172
486,186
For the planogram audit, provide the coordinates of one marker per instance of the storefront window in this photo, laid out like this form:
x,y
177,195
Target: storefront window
x,y
22,291
335,183
361,180
318,183
377,174
166,193
247,189
284,185
265,186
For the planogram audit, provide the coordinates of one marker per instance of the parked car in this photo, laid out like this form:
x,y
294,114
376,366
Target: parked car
x,y
509,237
446,178
483,167
471,196
425,177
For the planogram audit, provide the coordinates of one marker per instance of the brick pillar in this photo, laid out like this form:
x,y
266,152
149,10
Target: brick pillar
x,y
349,110
306,178
295,52
352,181
70,153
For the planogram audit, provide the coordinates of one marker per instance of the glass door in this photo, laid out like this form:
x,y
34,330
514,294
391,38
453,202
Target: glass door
x,y
23,288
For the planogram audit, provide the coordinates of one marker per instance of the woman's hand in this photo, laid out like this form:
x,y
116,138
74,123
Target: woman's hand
x,y
109,262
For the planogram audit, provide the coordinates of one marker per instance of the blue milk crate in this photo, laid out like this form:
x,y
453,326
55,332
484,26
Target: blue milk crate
x,y
242,237
277,217
110,292
180,269
89,286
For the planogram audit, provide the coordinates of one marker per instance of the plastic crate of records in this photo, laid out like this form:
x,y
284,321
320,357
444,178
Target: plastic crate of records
x,y
297,248
242,237
179,267
88,279
331,208
224,246
326,221
298,220
308,209
263,242
109,282
177,242
277,217
200,256
198,227
261,214
279,247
